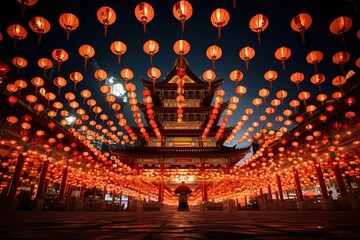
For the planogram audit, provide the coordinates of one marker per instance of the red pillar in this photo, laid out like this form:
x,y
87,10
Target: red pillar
x,y
63,183
46,186
245,199
82,190
204,190
261,196
298,186
320,177
41,187
339,180
270,193
161,191
278,179
16,177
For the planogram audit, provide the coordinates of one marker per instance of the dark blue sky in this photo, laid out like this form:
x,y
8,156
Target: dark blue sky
x,y
200,33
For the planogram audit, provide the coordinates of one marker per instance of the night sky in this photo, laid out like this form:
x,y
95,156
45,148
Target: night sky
x,y
199,32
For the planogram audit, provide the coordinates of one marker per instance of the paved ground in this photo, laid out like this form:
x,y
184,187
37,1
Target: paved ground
x,y
180,225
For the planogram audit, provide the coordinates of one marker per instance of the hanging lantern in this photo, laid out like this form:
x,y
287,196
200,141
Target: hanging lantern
x,y
350,101
85,94
45,64
341,58
17,32
297,78
182,11
11,120
258,23
246,54
236,76
314,57
257,102
69,96
154,73
144,12
303,96
300,23
76,77
321,98
282,54
281,94
118,48
25,4
37,82
271,76
40,26
241,90
60,56
69,22
213,53
100,75
126,74
275,102
264,93
21,84
106,16
340,25
219,19
318,79
151,47
86,51
209,76
19,62
294,103
181,48
60,82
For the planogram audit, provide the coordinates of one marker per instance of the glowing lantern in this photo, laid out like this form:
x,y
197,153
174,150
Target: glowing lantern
x,y
45,64
281,94
69,22
11,120
40,26
118,48
182,11
31,99
25,4
130,87
213,53
287,113
247,53
86,51
91,102
17,32
340,25
321,98
12,100
264,93
69,96
219,19
282,54
37,82
21,84
258,23
341,58
97,110
350,114
12,88
85,94
314,57
330,108
151,47
257,102
310,109
181,48
50,96
60,82
236,76
60,56
294,103
106,16
297,78
100,75
269,110
317,79
19,62
271,76
357,62
241,90
209,76
154,73
300,23
144,12
337,95
76,77
126,74
105,89
350,101
304,95
339,81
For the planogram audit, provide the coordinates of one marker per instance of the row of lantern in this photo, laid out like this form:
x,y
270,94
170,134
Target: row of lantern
x,y
150,113
228,112
214,114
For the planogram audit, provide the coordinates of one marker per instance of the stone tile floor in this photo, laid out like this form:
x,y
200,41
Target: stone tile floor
x,y
180,225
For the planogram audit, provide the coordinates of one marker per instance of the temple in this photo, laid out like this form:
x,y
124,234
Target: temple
x,y
190,142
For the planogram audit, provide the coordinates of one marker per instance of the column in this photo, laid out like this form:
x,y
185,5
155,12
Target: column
x,y
261,196
204,190
161,191
320,177
270,193
278,179
63,183
41,187
245,199
298,186
82,190
339,179
16,177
